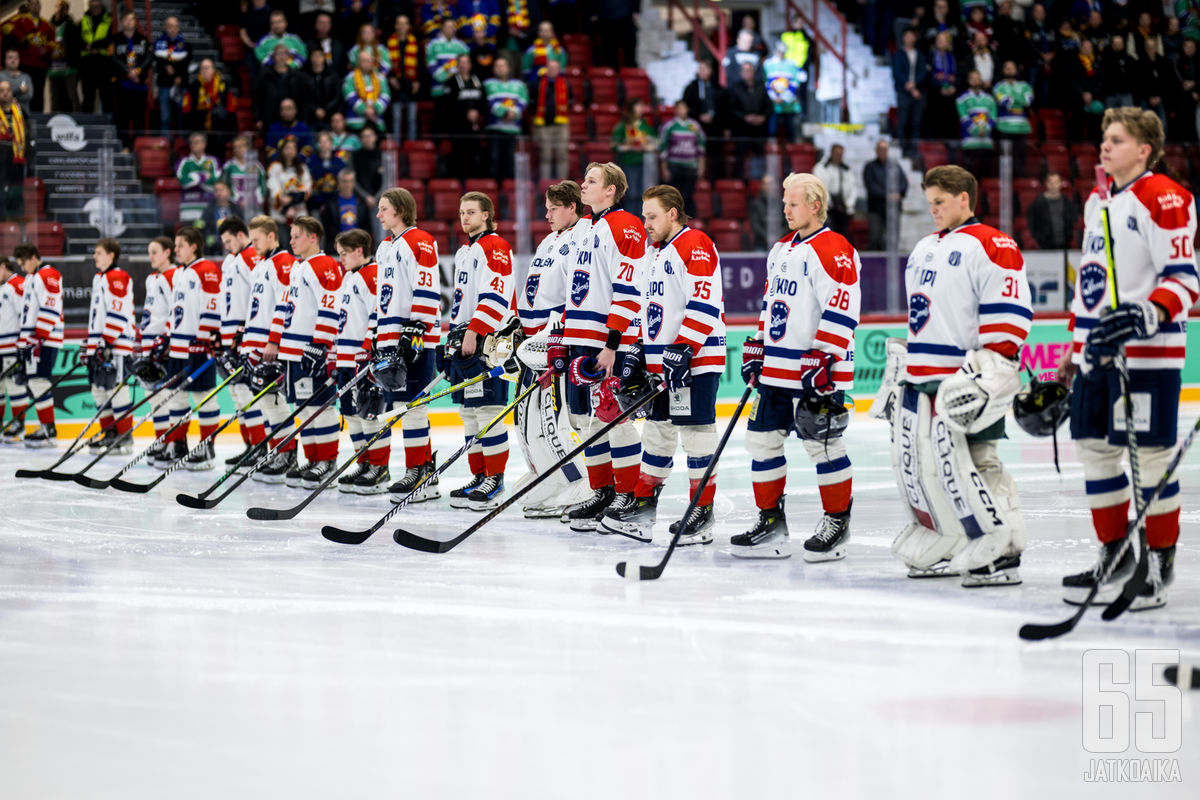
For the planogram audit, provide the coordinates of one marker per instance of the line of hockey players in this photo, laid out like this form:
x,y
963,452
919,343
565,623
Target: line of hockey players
x,y
612,307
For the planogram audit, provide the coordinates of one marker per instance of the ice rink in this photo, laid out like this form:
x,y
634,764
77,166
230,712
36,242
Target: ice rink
x,y
150,651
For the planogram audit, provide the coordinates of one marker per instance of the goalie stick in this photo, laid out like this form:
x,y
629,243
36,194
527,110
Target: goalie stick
x,y
1034,631
94,483
259,513
335,534
651,573
142,488
416,542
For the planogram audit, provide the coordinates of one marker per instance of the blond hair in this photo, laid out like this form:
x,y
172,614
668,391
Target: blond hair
x,y
265,224
1144,126
612,175
954,180
812,189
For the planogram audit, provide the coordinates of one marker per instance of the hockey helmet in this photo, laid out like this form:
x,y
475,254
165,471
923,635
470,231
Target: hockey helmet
x,y
104,373
1042,407
389,369
148,370
819,418
369,401
264,374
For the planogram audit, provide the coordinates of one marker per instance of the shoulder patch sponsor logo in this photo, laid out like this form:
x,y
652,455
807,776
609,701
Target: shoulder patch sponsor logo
x,y
654,320
633,234
845,268
779,319
700,254
1170,201
531,287
1093,283
918,312
580,284
425,247
1002,242
500,257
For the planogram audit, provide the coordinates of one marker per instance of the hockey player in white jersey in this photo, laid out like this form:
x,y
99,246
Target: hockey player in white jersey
x,y
1153,231
109,346
542,420
11,304
236,269
41,338
803,355
683,338
156,311
968,313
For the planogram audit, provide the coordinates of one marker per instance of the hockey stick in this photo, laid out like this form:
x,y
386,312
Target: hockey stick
x,y
1189,678
289,513
93,483
54,383
11,368
416,542
201,501
99,410
172,383
335,534
651,573
142,488
1033,631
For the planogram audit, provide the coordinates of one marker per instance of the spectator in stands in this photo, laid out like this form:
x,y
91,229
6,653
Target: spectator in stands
x,y
877,175
405,53
13,153
309,10
1171,40
749,108
743,52
275,84
264,51
564,14
171,58
519,26
1143,32
978,22
1187,121
1156,82
615,24
785,90
210,105
468,117
367,161
196,172
441,58
681,143
707,102
322,90
288,126
842,184
344,210
982,61
1066,50
94,30
220,208
545,47
483,54
1097,31
1009,37
551,126
21,83
798,50
33,38
1086,108
507,98
323,165
1118,75
761,205
132,60
1014,98
434,16
368,39
245,177
1081,10
941,120
366,95
256,24
288,186
64,61
938,22
350,17
977,116
1052,216
632,140
324,40
910,71
345,141
1041,38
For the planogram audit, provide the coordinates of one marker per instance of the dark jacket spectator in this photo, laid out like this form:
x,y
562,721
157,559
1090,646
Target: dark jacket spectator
x,y
220,208
344,209
706,100
131,65
1187,69
749,107
1052,216
287,126
743,52
273,86
324,40
1155,79
172,55
322,94
1118,72
368,165
469,101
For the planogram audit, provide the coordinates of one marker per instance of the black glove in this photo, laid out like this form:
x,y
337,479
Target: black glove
x,y
469,366
312,360
753,353
412,339
1137,320
677,366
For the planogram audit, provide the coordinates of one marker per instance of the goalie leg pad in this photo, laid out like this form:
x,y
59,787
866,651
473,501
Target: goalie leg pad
x,y
545,436
980,393
889,385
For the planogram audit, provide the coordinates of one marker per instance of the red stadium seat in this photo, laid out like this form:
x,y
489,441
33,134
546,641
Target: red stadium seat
x,y
802,156
726,234
1054,125
233,50
578,120
422,164
604,83
635,83
1025,198
732,194
598,151
10,236
507,231
485,185
934,154
539,230
576,84
153,155
34,194
167,191
48,235
420,145
703,198
579,49
440,231
605,117
445,205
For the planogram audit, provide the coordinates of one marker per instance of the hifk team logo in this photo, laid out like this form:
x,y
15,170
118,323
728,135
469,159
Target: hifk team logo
x,y
287,315
458,296
654,320
1093,284
531,287
342,316
178,317
779,319
581,282
254,308
918,312
385,298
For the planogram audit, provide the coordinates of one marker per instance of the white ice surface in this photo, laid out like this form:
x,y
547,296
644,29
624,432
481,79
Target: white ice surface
x,y
151,651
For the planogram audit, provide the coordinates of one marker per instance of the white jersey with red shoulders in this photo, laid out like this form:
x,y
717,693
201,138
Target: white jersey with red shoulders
x,y
42,314
1153,224
110,318
236,271
811,302
356,304
684,303
196,312
483,284
156,310
269,282
967,290
605,281
545,290
12,303
410,287
308,314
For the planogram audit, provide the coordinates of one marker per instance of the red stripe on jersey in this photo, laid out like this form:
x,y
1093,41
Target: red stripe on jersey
x,y
1006,349
785,374
1168,300
932,371
1154,351
829,338
700,328
1003,327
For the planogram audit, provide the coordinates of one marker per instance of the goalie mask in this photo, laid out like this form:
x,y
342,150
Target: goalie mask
x,y
1042,407
819,419
264,374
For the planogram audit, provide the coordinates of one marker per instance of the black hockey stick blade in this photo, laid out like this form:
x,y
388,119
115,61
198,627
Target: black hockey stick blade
x,y
1129,591
51,475
1036,632
91,483
1191,676
335,534
415,542
192,501
40,473
271,514
137,488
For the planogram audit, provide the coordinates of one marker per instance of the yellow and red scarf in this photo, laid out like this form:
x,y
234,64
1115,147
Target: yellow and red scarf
x,y
560,103
14,128
367,95
408,61
518,17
